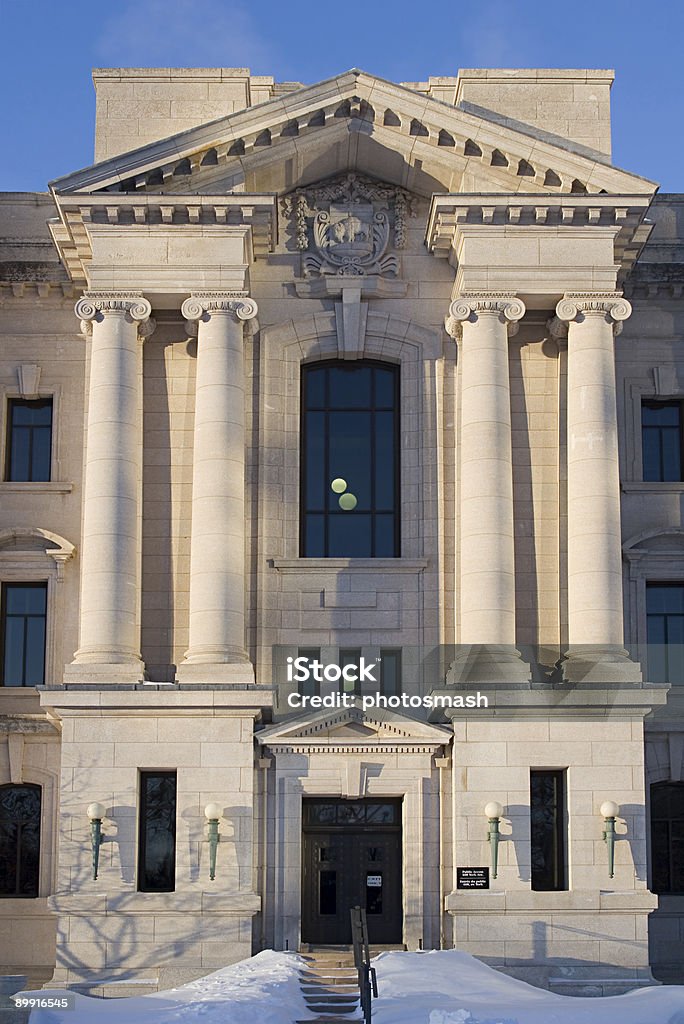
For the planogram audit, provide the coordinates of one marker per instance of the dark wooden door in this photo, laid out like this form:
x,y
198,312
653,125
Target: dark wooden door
x,y
351,857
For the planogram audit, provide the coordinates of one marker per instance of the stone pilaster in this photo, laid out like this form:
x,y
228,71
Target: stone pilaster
x,y
595,615
217,551
109,637
482,324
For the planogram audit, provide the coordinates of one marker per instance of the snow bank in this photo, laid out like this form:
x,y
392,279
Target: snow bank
x,y
264,989
449,987
436,987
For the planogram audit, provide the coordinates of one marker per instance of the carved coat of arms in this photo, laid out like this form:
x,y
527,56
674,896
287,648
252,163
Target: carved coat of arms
x,y
343,227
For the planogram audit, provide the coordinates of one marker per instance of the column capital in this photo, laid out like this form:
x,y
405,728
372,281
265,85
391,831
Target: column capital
x,y
201,305
611,306
95,306
470,307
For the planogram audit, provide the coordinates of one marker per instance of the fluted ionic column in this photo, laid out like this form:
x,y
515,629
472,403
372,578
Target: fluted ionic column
x,y
482,324
595,614
109,637
216,652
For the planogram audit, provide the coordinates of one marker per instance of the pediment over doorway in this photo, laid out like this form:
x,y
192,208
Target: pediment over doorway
x,y
351,730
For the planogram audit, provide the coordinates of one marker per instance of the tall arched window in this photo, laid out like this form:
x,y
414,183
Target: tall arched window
x,y
667,837
19,840
350,460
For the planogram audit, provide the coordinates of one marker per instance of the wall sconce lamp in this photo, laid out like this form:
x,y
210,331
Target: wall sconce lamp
x,y
610,811
494,810
96,813
212,812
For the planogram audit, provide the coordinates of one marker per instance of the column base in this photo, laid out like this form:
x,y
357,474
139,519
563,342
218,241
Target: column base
x,y
592,663
200,669
488,663
104,672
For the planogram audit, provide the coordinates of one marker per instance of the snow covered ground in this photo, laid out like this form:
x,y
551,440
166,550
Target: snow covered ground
x,y
435,987
263,990
449,987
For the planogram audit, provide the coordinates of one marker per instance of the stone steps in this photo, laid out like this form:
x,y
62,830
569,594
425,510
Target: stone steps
x,y
329,984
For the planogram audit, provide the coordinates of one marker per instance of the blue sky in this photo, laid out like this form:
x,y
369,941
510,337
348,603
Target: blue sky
x,y
48,50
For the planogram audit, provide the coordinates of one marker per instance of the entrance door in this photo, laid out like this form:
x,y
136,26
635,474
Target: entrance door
x,y
351,857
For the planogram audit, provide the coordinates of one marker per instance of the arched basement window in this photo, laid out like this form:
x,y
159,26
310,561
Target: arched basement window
x,y
667,837
350,460
19,840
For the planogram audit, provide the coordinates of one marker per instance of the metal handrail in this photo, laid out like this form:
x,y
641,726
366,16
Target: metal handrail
x,y
368,982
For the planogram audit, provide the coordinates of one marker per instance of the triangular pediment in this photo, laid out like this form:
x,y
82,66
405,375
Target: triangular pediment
x,y
352,728
355,122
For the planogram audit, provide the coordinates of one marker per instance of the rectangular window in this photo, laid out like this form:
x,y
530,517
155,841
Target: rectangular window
x,y
665,632
548,830
309,687
390,671
23,612
661,440
667,837
350,460
157,832
29,440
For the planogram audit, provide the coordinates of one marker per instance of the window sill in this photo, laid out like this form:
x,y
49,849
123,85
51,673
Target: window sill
x,y
54,486
657,486
365,565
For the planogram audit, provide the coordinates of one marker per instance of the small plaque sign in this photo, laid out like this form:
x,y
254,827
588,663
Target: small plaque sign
x,y
472,878
374,881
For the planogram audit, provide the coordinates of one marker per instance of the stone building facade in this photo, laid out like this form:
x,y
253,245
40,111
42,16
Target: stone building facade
x,y
261,293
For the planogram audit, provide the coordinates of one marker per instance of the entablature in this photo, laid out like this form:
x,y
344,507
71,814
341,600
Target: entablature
x,y
538,244
82,217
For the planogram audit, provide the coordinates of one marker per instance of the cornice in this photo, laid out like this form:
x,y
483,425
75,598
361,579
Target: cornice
x,y
625,215
237,213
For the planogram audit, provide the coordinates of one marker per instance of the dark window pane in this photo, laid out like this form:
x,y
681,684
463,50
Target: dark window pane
x,y
384,388
157,845
384,461
20,464
22,634
29,443
667,837
314,536
40,469
327,898
381,814
350,387
349,536
661,440
317,486
547,830
19,840
13,667
35,651
665,632
350,456
385,544
390,672
26,600
314,379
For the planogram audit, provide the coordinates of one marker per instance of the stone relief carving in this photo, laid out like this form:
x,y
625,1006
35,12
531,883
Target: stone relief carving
x,y
343,227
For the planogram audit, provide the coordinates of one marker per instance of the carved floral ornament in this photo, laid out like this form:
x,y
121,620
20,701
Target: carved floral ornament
x,y
95,306
344,226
